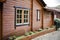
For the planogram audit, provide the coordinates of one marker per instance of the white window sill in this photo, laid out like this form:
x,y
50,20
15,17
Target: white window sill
x,y
22,24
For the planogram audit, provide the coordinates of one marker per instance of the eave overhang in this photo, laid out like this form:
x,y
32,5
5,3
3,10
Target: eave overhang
x,y
41,2
51,9
2,1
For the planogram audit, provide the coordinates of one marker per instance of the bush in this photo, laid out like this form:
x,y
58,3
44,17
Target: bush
x,y
57,23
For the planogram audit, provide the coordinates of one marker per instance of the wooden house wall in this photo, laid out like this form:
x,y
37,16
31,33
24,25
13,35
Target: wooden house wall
x,y
9,17
36,24
47,19
2,0
57,14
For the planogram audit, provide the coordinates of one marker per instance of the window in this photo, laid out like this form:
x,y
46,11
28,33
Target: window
x,y
55,17
22,16
38,15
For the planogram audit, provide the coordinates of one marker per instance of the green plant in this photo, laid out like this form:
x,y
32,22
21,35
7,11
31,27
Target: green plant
x,y
20,37
26,34
12,37
46,28
52,26
39,30
31,32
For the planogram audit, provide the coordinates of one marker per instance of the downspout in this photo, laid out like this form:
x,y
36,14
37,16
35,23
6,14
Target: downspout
x,y
31,16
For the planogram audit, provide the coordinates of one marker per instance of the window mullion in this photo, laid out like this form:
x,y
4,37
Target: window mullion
x,y
28,16
22,16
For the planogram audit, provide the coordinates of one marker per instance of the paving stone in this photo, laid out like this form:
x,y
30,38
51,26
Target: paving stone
x,y
50,36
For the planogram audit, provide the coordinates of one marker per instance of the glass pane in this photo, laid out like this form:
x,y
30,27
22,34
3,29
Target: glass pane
x,y
25,16
18,21
20,12
17,16
25,12
25,20
38,15
17,11
20,16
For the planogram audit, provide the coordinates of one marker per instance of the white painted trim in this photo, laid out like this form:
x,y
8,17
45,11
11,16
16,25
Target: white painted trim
x,y
16,16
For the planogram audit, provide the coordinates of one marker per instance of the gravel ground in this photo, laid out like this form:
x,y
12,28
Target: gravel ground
x,y
50,36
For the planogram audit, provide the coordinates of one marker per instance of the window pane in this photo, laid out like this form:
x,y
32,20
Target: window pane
x,y
18,21
17,11
17,16
25,20
25,16
25,12
20,16
38,15
20,12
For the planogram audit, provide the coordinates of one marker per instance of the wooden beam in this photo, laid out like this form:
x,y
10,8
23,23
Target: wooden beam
x,y
2,0
52,18
42,18
1,7
31,16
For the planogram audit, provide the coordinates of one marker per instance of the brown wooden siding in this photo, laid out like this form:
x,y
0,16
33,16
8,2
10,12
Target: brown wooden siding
x,y
9,17
1,7
47,20
36,24
2,0
31,16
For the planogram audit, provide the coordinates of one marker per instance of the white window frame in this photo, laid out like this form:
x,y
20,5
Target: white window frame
x,y
55,16
23,16
38,15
